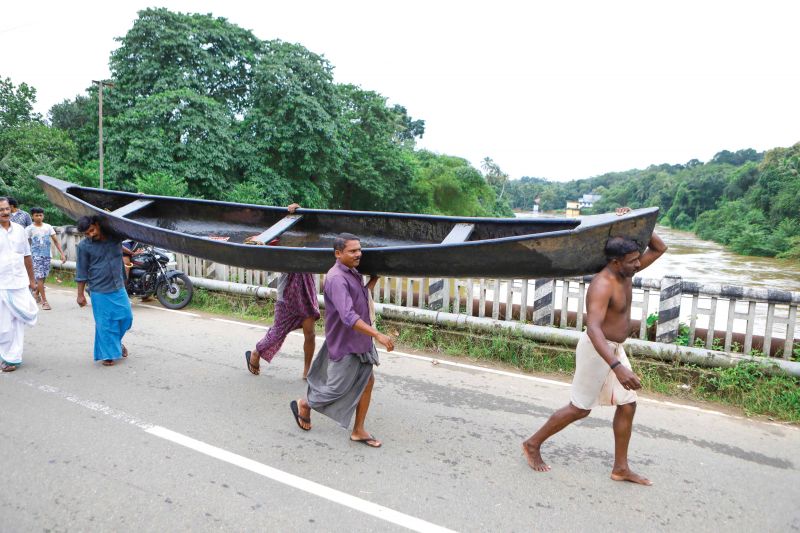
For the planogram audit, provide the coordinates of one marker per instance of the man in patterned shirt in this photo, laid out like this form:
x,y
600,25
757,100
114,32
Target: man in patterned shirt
x,y
18,215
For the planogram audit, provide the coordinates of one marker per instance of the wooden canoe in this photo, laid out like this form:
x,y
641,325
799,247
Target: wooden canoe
x,y
393,243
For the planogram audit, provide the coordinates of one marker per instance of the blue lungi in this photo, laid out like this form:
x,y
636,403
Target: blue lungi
x,y
112,318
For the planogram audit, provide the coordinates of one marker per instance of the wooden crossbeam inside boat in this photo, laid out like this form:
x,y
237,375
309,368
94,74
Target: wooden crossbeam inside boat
x,y
459,233
132,207
274,231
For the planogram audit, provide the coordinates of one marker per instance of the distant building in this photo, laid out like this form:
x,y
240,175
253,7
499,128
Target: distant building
x,y
588,200
573,208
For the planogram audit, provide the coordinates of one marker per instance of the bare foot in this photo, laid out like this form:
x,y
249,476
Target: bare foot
x,y
630,475
534,458
108,362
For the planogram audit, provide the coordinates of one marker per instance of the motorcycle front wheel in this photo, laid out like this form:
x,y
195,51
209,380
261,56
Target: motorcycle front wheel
x,y
176,292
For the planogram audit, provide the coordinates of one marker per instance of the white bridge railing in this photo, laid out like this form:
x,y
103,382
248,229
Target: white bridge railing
x,y
725,318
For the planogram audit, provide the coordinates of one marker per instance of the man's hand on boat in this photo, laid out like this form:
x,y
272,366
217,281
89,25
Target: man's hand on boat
x,y
623,211
292,207
372,281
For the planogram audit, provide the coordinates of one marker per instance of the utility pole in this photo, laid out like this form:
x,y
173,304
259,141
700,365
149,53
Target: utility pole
x,y
100,85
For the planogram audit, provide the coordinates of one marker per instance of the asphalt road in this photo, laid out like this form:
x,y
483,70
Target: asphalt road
x,y
181,437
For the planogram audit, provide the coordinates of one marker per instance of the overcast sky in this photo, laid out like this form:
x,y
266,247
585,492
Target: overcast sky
x,y
560,90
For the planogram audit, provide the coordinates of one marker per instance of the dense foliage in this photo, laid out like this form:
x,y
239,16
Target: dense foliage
x,y
746,200
201,107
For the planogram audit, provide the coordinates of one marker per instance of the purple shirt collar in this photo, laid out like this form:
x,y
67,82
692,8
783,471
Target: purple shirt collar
x,y
345,268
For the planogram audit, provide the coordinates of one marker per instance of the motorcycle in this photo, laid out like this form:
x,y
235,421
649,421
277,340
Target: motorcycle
x,y
150,274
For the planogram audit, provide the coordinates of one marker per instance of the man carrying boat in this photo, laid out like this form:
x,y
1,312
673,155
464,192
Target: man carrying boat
x,y
296,307
603,373
340,379
100,264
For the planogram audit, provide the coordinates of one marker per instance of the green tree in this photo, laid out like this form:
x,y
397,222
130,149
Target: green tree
x,y
498,180
407,129
777,188
78,118
27,151
161,184
166,51
378,171
265,187
176,132
16,104
292,127
451,186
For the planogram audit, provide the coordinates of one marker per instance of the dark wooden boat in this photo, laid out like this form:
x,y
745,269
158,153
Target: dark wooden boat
x,y
393,243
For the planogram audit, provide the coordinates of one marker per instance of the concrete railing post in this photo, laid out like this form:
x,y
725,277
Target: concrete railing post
x,y
543,302
669,309
438,294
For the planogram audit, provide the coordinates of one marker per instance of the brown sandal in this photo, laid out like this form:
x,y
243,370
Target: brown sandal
x,y
46,306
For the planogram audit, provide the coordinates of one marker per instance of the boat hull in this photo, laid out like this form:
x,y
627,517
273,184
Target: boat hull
x,y
393,243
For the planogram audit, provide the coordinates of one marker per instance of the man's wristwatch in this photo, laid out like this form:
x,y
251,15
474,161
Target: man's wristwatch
x,y
615,365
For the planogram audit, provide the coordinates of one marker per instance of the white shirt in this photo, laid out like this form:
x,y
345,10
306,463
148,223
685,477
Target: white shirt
x,y
13,249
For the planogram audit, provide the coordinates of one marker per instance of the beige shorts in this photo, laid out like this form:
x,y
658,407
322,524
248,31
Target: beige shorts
x,y
594,382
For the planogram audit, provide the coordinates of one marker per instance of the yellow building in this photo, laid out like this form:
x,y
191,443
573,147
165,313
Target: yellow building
x,y
573,208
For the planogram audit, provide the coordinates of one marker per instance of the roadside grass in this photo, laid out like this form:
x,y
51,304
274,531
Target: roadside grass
x,y
746,386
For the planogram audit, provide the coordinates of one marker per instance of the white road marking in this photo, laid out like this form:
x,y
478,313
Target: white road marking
x,y
94,406
336,496
490,370
159,308
255,326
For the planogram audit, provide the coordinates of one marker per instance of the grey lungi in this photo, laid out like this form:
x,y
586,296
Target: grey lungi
x,y
335,387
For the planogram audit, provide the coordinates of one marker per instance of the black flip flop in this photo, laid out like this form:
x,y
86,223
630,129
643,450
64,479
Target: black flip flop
x,y
367,441
253,369
297,418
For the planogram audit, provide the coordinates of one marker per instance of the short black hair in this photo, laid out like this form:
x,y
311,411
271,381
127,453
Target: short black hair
x,y
617,247
341,240
35,210
86,221
12,201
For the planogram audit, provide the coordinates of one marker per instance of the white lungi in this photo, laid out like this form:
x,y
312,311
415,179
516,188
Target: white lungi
x,y
17,309
594,382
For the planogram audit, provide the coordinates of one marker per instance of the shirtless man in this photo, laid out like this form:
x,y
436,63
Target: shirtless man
x,y
603,373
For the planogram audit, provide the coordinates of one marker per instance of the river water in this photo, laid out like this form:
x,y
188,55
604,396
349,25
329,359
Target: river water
x,y
708,262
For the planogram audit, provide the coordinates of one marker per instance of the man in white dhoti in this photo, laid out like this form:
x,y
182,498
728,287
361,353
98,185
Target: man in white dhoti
x,y
603,374
17,306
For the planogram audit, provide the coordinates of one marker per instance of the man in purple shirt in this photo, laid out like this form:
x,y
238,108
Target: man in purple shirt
x,y
340,379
